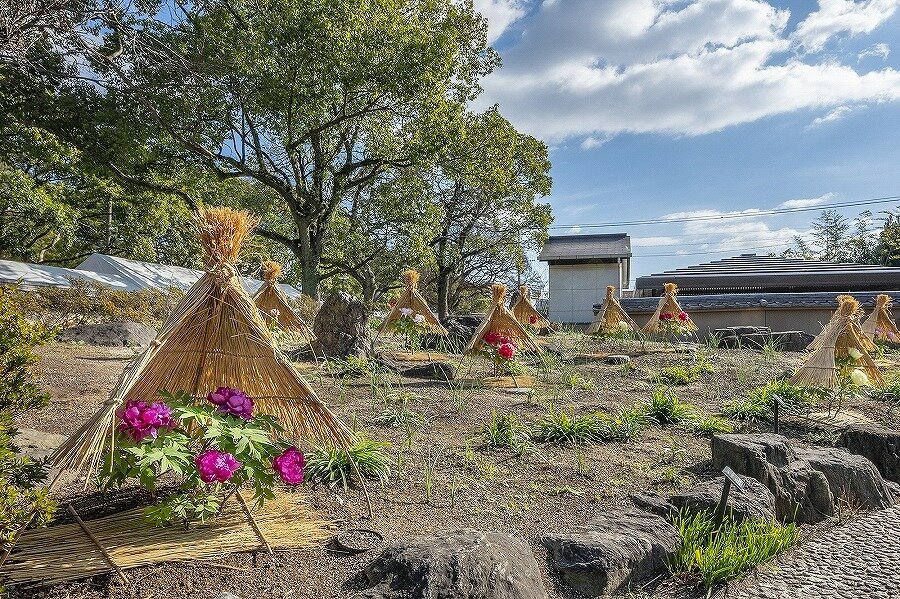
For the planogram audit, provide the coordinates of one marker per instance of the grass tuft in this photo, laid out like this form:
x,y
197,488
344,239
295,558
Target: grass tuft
x,y
665,408
564,429
505,430
334,465
757,404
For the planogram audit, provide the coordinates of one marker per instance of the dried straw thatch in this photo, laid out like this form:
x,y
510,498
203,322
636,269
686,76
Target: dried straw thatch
x,y
841,334
668,305
412,300
611,316
880,324
526,313
215,337
500,320
857,316
276,308
64,552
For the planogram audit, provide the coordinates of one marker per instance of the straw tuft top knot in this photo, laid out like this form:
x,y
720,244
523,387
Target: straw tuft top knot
x,y
411,278
671,288
271,271
882,301
498,293
849,305
609,291
222,232
523,291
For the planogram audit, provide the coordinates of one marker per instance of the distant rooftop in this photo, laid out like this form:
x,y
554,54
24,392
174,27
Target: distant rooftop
x,y
750,273
746,301
584,248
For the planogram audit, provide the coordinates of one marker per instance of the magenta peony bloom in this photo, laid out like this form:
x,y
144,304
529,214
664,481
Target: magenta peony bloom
x,y
506,351
290,465
532,319
140,420
683,316
665,316
491,338
216,466
232,401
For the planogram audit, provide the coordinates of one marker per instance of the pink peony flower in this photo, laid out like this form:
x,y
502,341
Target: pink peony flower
x,y
532,319
491,338
216,466
232,401
290,465
392,302
683,316
506,351
140,420
665,316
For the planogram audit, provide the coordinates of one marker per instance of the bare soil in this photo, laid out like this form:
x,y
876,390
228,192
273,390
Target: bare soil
x,y
547,488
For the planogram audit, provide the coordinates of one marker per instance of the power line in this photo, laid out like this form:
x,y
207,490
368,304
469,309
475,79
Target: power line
x,y
688,219
725,251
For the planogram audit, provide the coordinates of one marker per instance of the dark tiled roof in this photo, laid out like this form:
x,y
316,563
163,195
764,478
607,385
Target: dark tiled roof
x,y
744,301
749,272
582,247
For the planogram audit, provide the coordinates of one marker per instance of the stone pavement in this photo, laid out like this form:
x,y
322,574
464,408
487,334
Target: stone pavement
x,y
859,560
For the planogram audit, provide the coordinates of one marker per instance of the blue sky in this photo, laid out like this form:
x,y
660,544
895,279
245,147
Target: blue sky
x,y
667,108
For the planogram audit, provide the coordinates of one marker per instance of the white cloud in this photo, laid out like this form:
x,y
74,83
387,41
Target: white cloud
x,y
834,115
842,16
808,202
594,141
590,69
654,241
500,14
879,50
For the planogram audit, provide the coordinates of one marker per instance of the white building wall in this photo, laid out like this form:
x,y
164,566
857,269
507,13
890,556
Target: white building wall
x,y
575,288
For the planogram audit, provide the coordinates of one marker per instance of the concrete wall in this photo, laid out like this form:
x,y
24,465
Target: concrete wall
x,y
575,288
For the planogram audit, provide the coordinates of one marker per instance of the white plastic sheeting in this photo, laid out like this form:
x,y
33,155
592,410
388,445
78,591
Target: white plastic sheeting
x,y
32,276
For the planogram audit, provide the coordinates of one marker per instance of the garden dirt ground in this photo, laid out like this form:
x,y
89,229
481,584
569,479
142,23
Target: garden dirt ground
x,y
547,488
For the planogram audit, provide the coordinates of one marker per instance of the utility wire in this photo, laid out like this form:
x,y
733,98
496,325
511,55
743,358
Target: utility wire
x,y
753,214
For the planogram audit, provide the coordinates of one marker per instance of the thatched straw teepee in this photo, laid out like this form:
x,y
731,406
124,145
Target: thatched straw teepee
x,y
880,325
411,299
841,338
215,337
526,313
856,315
275,307
501,321
668,305
611,317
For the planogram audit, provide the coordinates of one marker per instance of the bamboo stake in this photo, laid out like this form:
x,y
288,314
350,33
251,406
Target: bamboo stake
x,y
99,545
253,524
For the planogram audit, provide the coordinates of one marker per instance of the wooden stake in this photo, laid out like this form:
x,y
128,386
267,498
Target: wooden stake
x,y
99,546
253,523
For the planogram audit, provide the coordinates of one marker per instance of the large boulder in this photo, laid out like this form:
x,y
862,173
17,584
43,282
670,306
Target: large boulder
x,y
612,551
881,445
469,564
753,501
439,371
110,334
342,327
460,329
755,455
853,479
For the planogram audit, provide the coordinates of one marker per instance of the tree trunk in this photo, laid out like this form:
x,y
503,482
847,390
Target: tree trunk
x,y
443,292
310,256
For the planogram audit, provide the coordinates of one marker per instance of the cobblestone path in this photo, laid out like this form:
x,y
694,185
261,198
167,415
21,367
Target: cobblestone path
x,y
860,560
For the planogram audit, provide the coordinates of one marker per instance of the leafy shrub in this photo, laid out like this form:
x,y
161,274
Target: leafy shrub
x,y
666,408
23,499
333,465
564,429
576,381
505,430
733,550
351,365
92,302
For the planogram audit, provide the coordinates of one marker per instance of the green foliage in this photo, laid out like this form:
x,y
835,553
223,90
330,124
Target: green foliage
x,y
351,365
565,429
622,426
889,393
199,427
334,465
680,374
726,554
666,408
757,404
399,417
505,430
22,498
711,424
576,381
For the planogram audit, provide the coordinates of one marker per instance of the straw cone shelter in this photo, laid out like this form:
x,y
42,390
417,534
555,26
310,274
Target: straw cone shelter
x,y
611,316
215,337
525,312
500,320
275,307
841,334
880,324
668,304
857,316
412,300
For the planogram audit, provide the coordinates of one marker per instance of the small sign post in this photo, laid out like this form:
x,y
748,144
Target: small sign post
x,y
776,406
731,478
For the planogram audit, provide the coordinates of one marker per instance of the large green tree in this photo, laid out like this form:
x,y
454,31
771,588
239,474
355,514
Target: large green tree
x,y
316,101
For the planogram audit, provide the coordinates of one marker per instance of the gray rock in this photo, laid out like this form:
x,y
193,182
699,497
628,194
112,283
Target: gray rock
x,y
802,494
466,563
617,360
342,327
612,551
756,455
792,340
37,444
754,501
110,334
879,444
852,478
440,371
653,504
